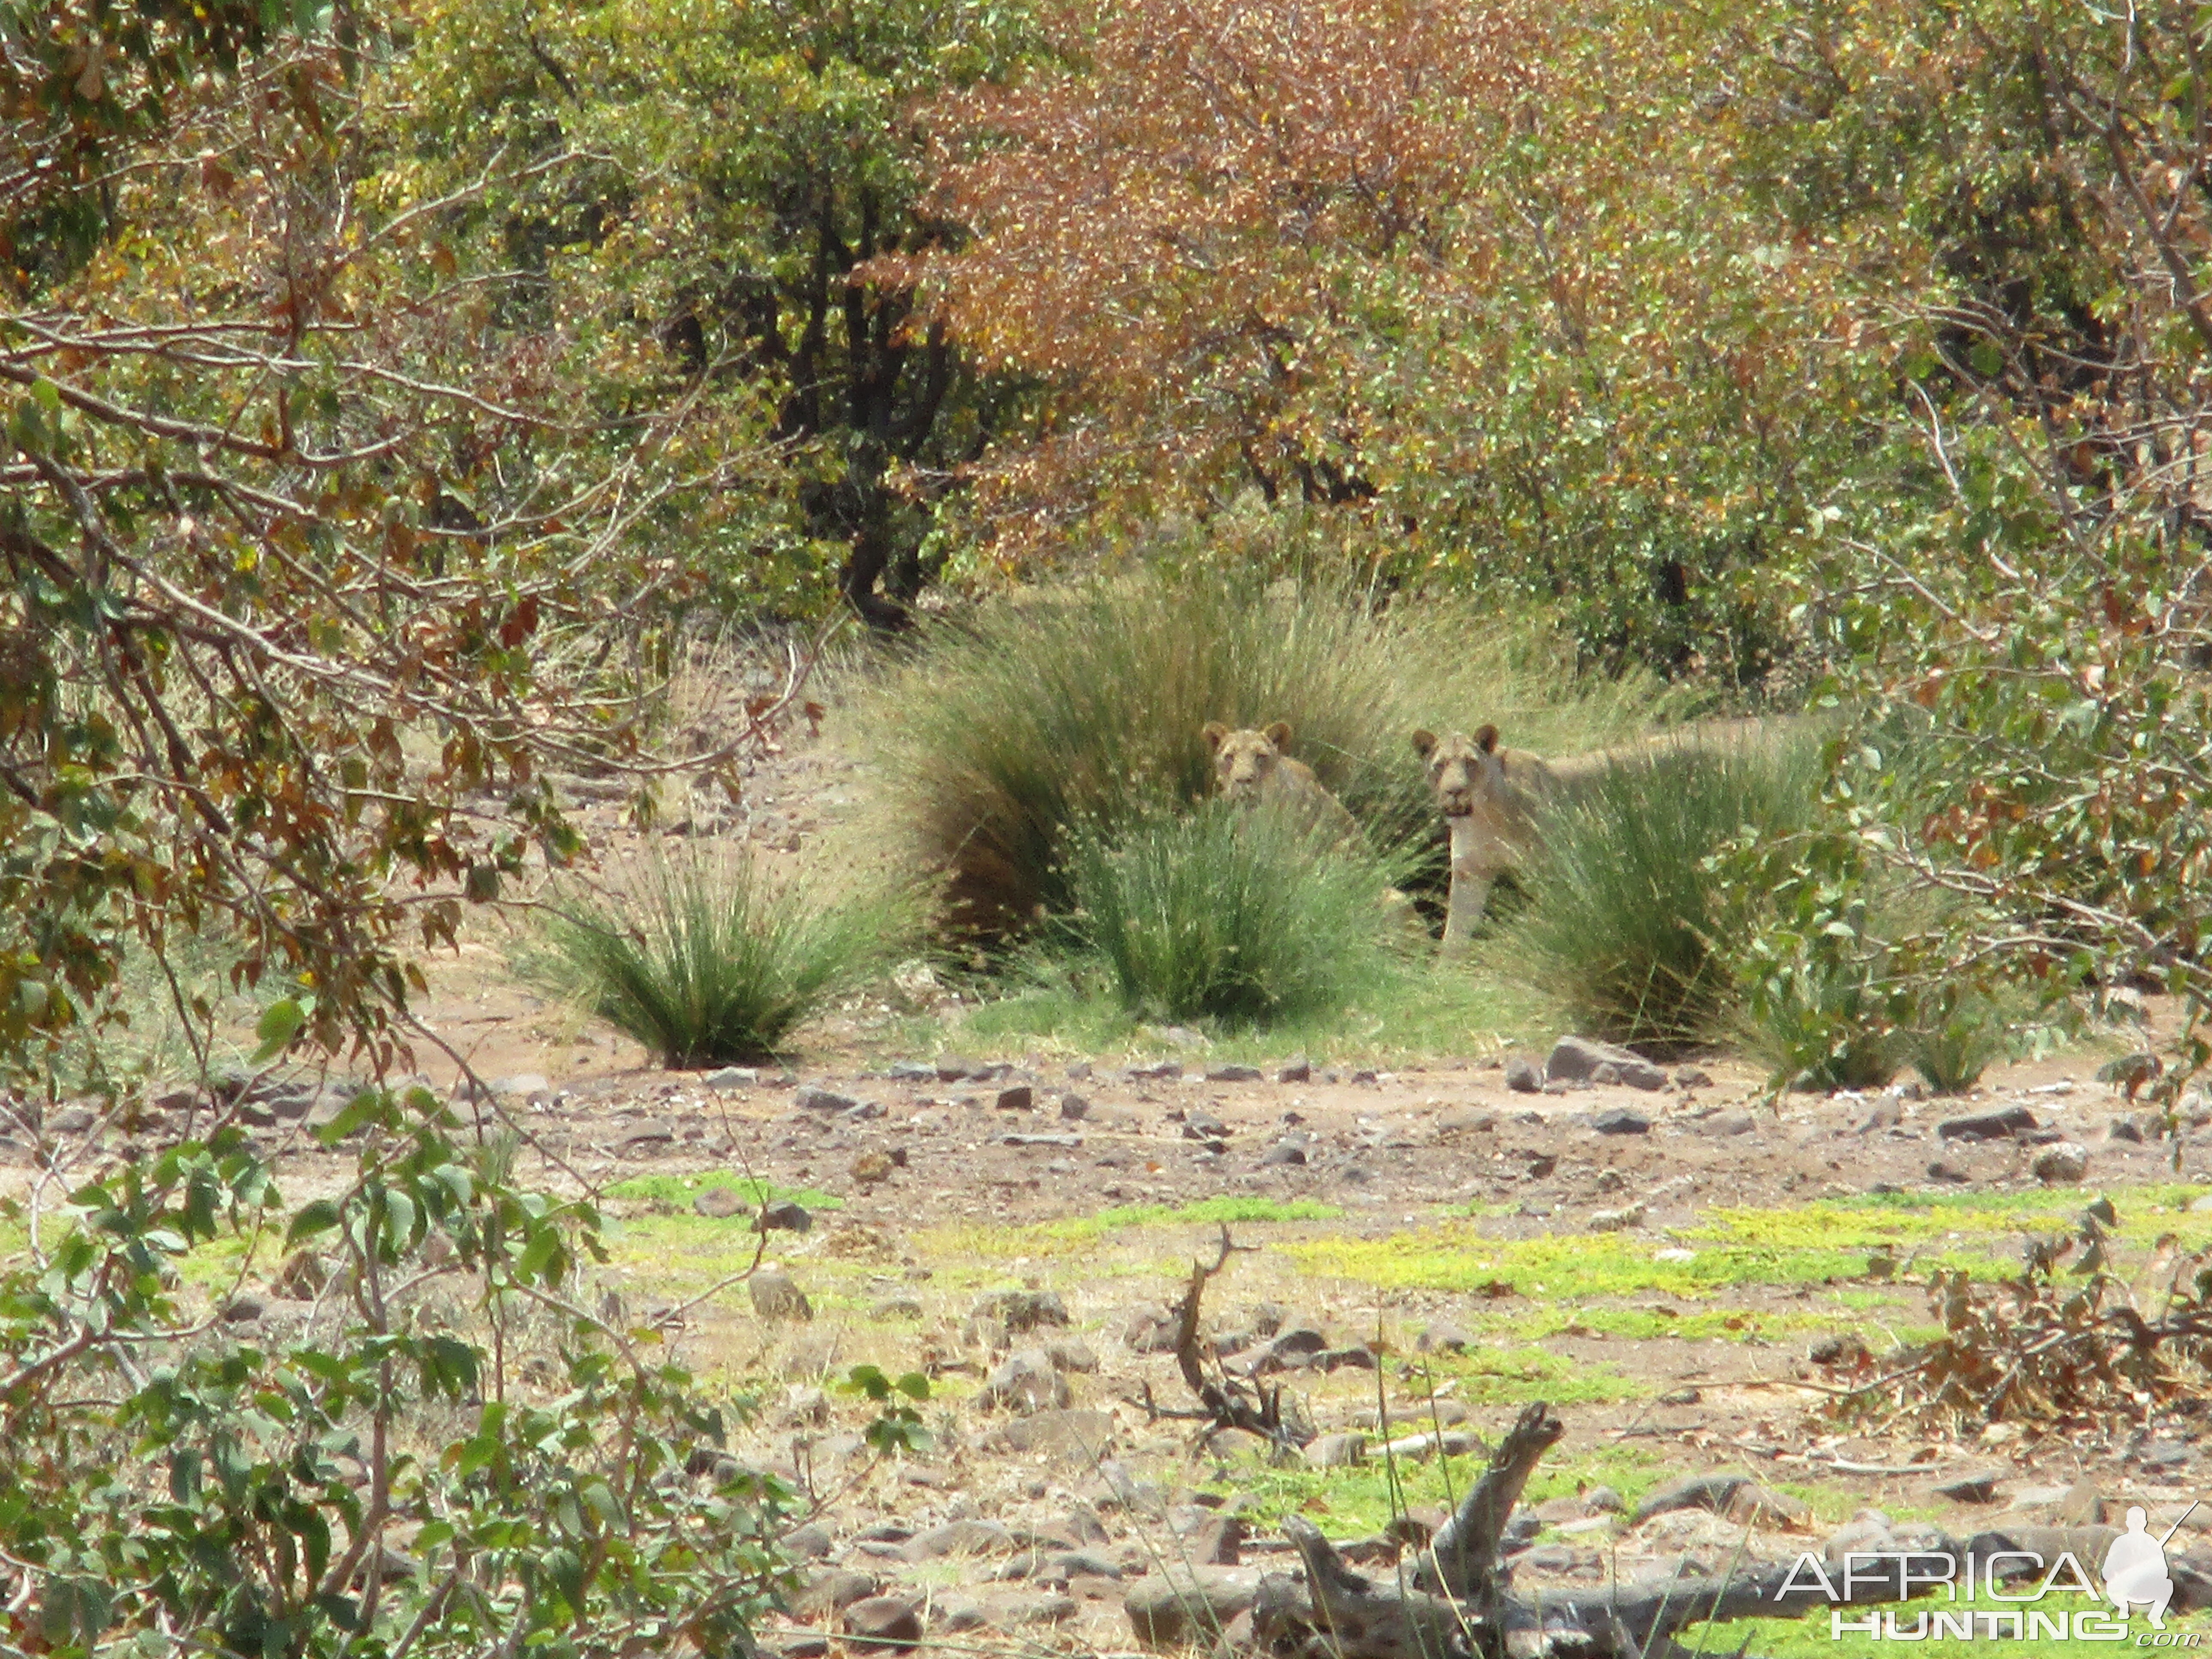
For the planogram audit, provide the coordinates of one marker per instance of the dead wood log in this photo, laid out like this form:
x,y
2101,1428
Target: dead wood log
x,y
1461,1560
1225,1404
1363,1619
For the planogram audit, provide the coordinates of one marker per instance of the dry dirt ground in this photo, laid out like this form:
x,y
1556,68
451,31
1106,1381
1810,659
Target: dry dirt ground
x,y
1459,1247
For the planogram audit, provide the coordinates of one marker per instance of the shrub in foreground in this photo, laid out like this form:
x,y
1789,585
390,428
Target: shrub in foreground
x,y
1243,918
1631,929
705,960
1084,705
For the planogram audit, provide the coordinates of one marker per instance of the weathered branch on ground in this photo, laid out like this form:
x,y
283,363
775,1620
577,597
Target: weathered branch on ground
x,y
1461,1561
1225,1404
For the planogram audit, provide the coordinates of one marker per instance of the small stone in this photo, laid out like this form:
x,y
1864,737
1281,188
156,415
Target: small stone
x,y
1233,1074
1015,1097
1971,1488
1692,1077
1701,1492
2060,1163
1338,1451
1150,1329
730,1078
1576,1059
810,1542
871,1168
1847,1351
719,1203
1603,1500
1522,1077
1620,1120
1286,1151
1168,1608
1987,1125
911,1071
896,1307
1074,1108
1940,1170
2124,1129
1026,1380
1722,1123
784,1217
1070,1354
1443,1337
1465,1120
1754,1505
956,1537
951,1068
1615,1221
1296,1069
884,1622
775,1296
832,1588
1203,1125
243,1310
1157,1070
1022,1310
813,1099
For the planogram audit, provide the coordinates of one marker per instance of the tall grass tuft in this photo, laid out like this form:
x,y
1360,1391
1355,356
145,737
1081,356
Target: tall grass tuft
x,y
705,961
1242,918
1085,705
1629,932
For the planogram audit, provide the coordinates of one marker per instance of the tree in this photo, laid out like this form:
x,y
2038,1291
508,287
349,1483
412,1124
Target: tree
x,y
752,189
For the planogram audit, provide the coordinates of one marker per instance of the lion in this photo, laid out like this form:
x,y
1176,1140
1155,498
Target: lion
x,y
1492,798
1250,769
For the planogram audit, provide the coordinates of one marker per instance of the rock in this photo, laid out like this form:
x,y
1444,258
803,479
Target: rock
x,y
1721,1123
1296,1069
1987,1125
1026,1380
2061,1163
1620,1120
1022,1310
1013,1612
884,1622
1070,1355
1699,1492
1940,1170
1603,1500
1233,1074
1159,1071
870,1168
1015,1097
1182,1604
1150,1329
956,1615
896,1307
1522,1077
1971,1488
1866,1533
1359,1358
1465,1120
775,1296
911,1071
810,1542
1576,1059
2124,1129
1754,1505
1288,1152
1443,1337
719,1203
1847,1350
1692,1077
784,1217
957,1538
813,1099
1288,1351
243,1310
1076,1434
288,1103
731,1078
1074,1108
1617,1221
1203,1125
833,1588
1338,1451
951,1068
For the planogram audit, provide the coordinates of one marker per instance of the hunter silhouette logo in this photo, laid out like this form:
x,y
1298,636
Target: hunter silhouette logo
x,y
2134,1572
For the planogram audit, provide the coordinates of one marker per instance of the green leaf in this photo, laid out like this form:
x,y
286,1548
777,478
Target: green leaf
x,y
279,1023
319,1217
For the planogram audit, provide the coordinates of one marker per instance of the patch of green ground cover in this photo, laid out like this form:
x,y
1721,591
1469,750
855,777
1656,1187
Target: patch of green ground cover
x,y
1814,1635
1513,1377
1060,1238
1871,1220
677,1191
1706,1325
1570,1266
1416,1014
683,1253
1344,1501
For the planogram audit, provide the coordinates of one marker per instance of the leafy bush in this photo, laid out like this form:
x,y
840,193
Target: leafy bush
x,y
1957,1038
706,960
446,1453
1632,928
1085,704
1219,913
1825,1026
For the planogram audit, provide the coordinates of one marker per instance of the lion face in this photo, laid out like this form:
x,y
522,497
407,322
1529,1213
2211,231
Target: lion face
x,y
1463,770
1244,760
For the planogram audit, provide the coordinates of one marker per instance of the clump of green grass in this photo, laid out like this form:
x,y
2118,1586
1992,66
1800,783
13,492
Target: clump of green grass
x,y
676,1191
1083,706
1236,916
1630,930
705,961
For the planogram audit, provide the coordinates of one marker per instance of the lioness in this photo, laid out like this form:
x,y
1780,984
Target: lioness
x,y
1491,797
1250,769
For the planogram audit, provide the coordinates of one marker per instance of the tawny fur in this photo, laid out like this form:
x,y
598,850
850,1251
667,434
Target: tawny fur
x,y
1492,798
1250,769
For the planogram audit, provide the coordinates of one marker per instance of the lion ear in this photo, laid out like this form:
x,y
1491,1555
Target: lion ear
x,y
1425,743
1487,740
1279,735
1213,731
